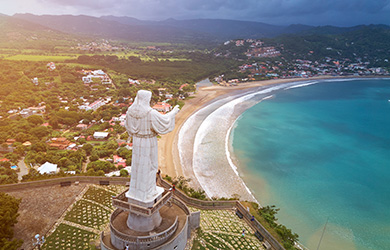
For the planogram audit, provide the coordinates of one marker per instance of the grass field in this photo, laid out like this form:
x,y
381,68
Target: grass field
x,y
36,58
36,55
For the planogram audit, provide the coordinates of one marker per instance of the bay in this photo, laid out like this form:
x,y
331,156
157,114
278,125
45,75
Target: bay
x,y
322,152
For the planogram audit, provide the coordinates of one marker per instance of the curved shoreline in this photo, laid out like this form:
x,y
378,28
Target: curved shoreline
x,y
169,157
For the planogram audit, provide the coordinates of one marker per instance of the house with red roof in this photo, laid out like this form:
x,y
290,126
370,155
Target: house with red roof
x,y
60,143
162,107
119,161
9,142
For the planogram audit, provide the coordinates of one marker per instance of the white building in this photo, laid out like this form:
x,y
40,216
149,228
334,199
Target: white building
x,y
100,135
48,168
98,74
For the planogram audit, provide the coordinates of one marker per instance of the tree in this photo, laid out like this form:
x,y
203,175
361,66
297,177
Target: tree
x,y
35,119
54,122
124,136
100,173
128,162
40,131
39,147
33,174
111,144
22,137
14,158
101,165
7,176
20,149
288,237
124,173
88,148
124,153
8,218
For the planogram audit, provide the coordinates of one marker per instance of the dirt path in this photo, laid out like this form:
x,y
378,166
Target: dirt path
x,y
23,169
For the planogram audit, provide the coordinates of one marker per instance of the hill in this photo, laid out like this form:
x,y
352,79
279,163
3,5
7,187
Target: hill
x,y
206,31
24,34
369,42
29,29
111,29
220,29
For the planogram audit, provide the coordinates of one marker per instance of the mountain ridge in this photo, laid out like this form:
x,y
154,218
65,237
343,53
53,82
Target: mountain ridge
x,y
191,31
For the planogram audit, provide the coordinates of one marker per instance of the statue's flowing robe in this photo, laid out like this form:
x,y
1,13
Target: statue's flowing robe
x,y
144,124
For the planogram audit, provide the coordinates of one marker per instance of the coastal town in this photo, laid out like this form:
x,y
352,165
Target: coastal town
x,y
267,62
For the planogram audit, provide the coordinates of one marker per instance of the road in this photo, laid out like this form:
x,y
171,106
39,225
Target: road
x,y
23,169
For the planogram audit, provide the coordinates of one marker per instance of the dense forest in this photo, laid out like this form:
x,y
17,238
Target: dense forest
x,y
198,66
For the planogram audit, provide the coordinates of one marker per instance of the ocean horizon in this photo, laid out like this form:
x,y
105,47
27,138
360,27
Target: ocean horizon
x,y
320,151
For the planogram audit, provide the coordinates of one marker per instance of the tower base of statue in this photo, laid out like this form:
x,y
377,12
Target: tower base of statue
x,y
165,225
142,222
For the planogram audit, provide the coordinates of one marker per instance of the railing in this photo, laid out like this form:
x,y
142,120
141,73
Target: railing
x,y
154,239
257,226
57,181
161,202
199,203
120,201
102,241
181,205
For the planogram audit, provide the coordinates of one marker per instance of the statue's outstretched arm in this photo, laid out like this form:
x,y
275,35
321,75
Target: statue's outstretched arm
x,y
175,110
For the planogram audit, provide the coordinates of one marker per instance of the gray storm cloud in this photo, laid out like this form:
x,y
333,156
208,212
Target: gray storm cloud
x,y
255,10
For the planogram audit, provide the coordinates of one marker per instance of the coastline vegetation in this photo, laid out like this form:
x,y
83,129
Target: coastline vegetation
x,y
181,183
267,217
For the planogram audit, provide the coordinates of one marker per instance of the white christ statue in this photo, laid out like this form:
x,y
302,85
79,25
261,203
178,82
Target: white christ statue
x,y
144,124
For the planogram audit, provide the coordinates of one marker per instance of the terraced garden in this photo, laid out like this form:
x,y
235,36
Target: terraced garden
x,y
84,220
222,229
82,223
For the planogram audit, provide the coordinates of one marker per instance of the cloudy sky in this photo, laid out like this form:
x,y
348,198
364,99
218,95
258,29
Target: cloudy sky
x,y
283,12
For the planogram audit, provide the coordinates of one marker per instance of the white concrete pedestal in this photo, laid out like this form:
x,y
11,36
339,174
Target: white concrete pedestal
x,y
144,223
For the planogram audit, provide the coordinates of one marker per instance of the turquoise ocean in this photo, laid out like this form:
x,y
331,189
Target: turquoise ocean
x,y
322,153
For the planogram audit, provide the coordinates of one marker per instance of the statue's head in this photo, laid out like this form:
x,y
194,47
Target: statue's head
x,y
143,97
141,105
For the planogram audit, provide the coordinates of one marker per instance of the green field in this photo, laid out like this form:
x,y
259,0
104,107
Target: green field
x,y
62,58
36,58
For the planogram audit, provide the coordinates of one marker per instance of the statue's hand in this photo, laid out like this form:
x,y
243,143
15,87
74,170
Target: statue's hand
x,y
176,109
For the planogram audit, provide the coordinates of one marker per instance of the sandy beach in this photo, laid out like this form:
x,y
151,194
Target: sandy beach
x,y
169,158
